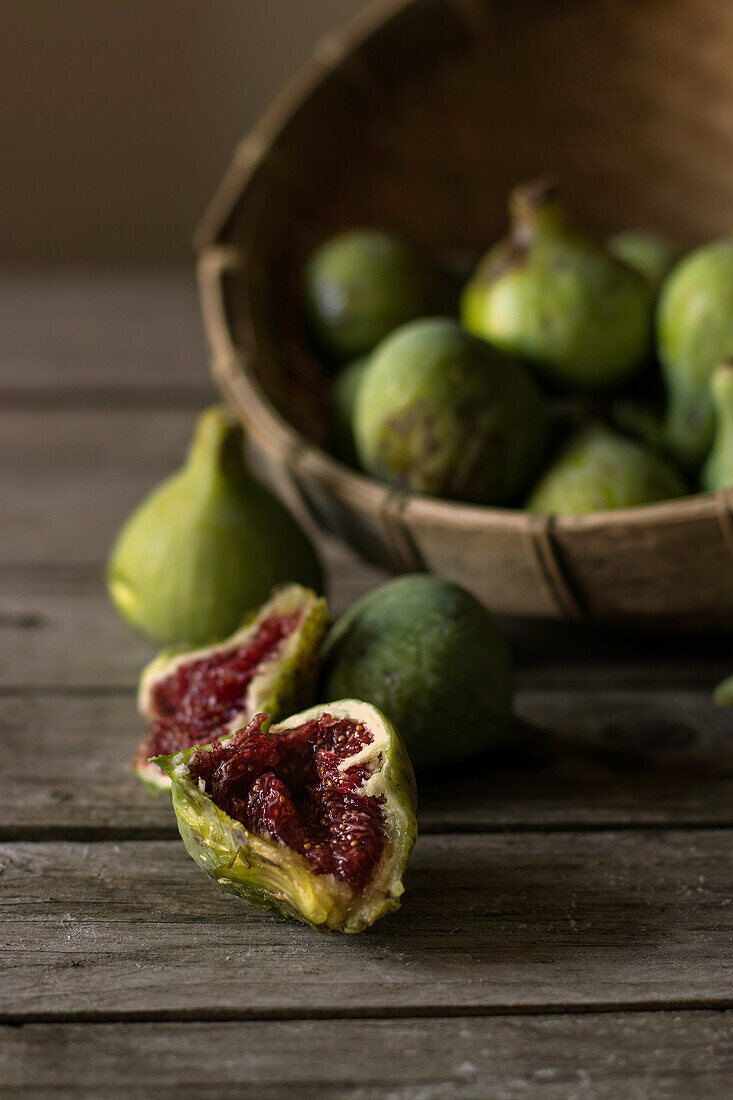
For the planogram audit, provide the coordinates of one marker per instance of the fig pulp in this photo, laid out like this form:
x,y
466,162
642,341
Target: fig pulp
x,y
313,818
271,663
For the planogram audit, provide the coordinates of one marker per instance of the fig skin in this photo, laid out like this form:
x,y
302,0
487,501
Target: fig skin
x,y
723,694
207,546
268,874
439,411
717,472
428,654
694,333
599,470
342,400
642,421
557,299
651,254
359,286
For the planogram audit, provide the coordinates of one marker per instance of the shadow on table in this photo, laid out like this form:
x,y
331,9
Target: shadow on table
x,y
532,899
632,770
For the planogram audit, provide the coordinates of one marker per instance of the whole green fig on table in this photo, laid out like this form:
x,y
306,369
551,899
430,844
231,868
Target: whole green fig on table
x,y
599,470
555,298
341,403
651,254
441,412
359,286
313,818
694,333
207,545
430,656
717,472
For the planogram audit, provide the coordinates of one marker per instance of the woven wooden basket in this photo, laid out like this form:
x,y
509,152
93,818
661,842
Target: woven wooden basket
x,y
419,118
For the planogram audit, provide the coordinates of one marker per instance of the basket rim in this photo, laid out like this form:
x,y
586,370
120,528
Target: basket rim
x,y
232,367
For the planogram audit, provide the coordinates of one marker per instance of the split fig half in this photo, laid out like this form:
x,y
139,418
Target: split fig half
x,y
313,818
271,663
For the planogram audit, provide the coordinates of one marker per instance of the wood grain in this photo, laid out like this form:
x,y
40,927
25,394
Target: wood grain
x,y
84,337
489,922
631,1054
86,470
58,630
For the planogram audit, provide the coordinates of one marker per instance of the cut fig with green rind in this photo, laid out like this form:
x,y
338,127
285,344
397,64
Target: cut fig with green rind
x,y
313,818
271,663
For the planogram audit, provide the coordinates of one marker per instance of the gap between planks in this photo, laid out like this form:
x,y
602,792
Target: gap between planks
x,y
388,1012
110,834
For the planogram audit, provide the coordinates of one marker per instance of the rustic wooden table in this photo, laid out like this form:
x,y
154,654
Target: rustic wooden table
x,y
567,926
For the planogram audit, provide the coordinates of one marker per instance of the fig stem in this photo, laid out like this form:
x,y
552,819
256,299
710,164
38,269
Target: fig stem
x,y
217,449
535,209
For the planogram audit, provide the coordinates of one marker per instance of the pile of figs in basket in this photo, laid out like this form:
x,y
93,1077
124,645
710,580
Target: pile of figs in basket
x,y
561,375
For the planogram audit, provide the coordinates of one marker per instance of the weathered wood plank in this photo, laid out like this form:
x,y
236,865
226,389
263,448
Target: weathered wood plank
x,y
67,480
489,922
58,630
67,774
119,336
630,1054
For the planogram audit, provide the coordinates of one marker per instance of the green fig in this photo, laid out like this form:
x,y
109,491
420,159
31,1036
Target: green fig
x,y
426,652
694,333
723,694
441,412
193,697
598,470
342,399
206,546
651,254
553,297
313,819
641,420
360,285
717,472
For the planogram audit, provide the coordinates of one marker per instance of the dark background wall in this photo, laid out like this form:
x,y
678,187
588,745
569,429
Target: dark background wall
x,y
118,116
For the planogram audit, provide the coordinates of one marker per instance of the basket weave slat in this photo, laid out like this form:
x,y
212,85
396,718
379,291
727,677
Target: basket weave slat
x,y
420,117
